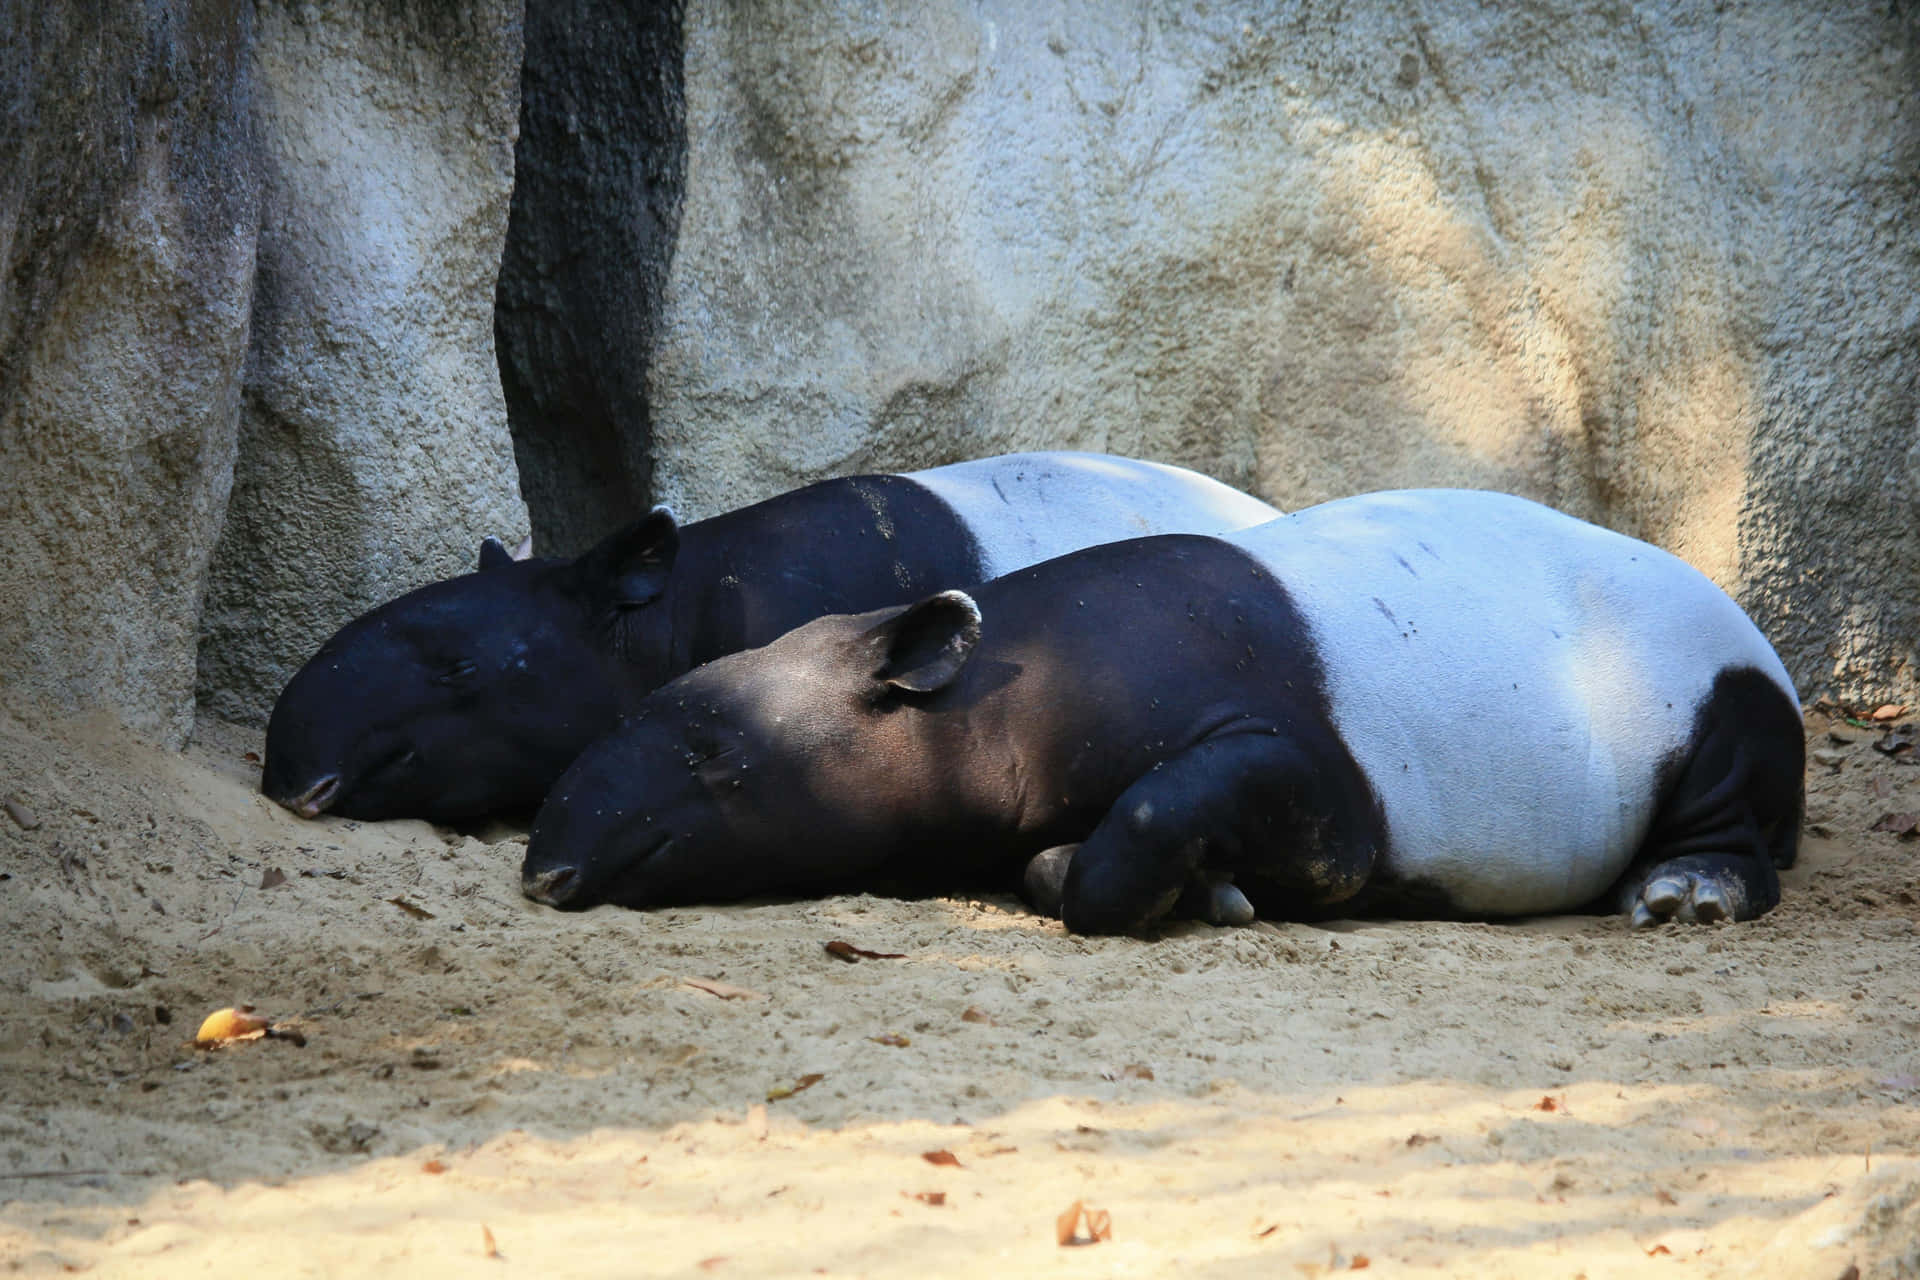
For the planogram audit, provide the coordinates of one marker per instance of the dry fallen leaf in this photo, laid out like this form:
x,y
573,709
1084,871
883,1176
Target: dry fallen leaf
x,y
1664,1196
1657,1250
725,990
418,913
488,1249
854,955
974,1013
1888,711
1904,825
804,1083
1067,1225
1263,1233
1099,1225
892,1039
1360,1262
433,1166
224,1025
1546,1104
1422,1139
935,1198
942,1157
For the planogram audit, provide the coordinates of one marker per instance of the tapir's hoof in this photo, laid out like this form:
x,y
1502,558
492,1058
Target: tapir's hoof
x,y
1687,897
1211,896
1045,881
1226,905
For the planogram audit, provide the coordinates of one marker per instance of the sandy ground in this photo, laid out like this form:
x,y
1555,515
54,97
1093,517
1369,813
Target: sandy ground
x,y
487,1087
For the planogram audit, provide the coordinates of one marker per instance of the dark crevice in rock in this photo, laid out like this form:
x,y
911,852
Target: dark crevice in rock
x,y
598,174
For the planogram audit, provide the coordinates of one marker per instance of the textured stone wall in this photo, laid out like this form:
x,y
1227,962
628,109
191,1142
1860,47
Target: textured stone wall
x,y
128,207
1652,263
596,207
374,452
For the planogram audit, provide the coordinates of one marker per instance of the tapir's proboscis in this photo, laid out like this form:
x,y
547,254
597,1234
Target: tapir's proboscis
x,y
469,696
1435,702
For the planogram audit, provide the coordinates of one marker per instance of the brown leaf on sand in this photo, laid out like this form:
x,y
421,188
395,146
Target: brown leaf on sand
x,y
942,1158
1657,1250
725,990
1904,825
974,1013
1888,711
1664,1196
1546,1103
934,1198
854,955
801,1085
892,1039
418,913
488,1249
433,1166
1894,741
223,1026
1066,1226
1360,1262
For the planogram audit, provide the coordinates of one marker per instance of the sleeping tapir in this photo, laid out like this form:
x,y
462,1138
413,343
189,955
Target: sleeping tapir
x,y
471,695
1437,702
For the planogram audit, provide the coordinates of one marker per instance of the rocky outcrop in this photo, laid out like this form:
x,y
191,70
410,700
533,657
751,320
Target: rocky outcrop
x,y
1651,264
128,211
374,452
596,207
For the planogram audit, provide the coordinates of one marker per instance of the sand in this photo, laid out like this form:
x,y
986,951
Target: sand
x,y
490,1088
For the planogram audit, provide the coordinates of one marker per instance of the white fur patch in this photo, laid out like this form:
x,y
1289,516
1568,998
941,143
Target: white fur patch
x,y
1027,507
1508,677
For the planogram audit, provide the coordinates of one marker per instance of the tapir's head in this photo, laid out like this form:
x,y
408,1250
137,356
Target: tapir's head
x,y
471,695
774,767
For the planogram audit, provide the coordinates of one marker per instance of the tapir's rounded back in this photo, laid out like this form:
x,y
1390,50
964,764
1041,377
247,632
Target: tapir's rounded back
x,y
1022,508
1509,678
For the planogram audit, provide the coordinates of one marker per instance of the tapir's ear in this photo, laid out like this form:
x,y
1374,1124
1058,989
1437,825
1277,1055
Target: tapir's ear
x,y
632,566
493,554
923,647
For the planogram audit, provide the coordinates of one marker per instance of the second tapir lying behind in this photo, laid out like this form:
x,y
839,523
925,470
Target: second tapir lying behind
x,y
1430,702
469,696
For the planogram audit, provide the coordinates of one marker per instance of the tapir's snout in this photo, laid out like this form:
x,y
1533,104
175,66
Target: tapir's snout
x,y
554,887
310,802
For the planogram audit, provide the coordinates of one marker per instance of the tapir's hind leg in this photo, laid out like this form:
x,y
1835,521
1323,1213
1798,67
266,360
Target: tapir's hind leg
x,y
1248,800
1731,815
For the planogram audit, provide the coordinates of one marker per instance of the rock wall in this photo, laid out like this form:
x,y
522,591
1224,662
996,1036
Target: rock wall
x,y
374,452
1651,263
128,208
596,207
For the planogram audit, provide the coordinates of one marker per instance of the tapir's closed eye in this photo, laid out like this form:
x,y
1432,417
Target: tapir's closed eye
x,y
456,672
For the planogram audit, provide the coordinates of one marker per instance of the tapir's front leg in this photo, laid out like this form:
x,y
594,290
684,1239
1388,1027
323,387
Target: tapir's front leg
x,y
1209,894
1250,802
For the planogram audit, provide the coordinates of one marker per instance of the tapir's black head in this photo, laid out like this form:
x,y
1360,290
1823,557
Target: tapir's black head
x,y
470,696
762,770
